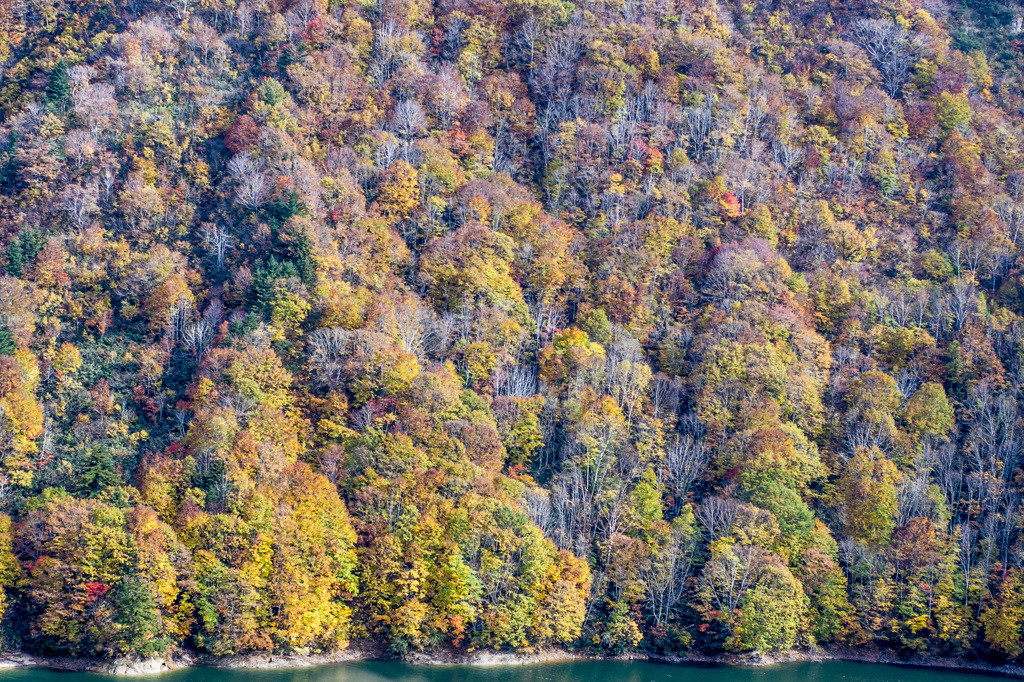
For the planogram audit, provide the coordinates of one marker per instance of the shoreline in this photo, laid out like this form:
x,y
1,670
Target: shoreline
x,y
181,660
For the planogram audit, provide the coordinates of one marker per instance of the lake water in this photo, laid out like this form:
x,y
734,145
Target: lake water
x,y
585,671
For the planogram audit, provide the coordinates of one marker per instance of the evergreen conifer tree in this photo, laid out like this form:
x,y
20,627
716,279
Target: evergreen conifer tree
x,y
7,345
58,91
98,472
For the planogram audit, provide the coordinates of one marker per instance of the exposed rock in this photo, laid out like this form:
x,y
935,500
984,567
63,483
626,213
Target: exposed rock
x,y
116,666
283,661
492,658
151,666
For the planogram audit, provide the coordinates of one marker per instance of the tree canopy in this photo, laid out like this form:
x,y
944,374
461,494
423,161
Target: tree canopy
x,y
653,325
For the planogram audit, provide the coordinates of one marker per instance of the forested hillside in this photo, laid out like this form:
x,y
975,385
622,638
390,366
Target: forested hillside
x,y
617,325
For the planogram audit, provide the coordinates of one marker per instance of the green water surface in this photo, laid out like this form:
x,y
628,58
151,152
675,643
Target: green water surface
x,y
585,671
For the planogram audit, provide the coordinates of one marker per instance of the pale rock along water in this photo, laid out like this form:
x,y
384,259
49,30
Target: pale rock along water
x,y
575,671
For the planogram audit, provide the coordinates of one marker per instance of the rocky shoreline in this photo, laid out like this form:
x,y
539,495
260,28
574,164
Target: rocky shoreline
x,y
129,667
152,666
496,658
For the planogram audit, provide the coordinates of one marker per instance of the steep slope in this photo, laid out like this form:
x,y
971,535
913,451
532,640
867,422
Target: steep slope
x,y
632,325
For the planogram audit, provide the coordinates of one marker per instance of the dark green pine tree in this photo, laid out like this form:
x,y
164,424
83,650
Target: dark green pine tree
x,y
98,472
58,90
292,54
15,258
31,242
23,251
138,618
262,292
7,345
304,259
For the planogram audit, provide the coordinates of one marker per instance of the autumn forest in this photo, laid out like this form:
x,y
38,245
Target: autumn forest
x,y
657,326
